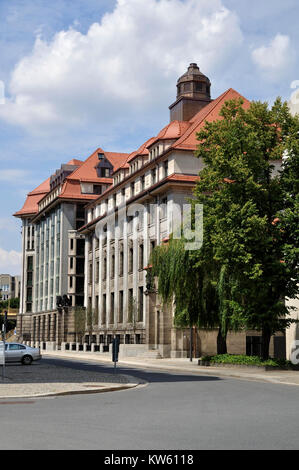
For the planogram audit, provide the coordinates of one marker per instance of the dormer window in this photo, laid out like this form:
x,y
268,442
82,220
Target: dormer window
x,y
104,167
97,189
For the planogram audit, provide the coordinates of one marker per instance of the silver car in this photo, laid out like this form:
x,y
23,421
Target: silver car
x,y
16,352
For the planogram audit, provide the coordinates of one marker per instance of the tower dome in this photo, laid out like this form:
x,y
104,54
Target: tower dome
x,y
193,93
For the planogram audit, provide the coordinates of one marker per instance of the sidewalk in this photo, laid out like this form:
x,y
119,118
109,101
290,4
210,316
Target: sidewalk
x,y
286,377
43,380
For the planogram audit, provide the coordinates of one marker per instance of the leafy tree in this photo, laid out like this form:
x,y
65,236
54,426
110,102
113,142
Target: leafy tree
x,y
289,216
183,278
8,304
79,322
242,198
248,263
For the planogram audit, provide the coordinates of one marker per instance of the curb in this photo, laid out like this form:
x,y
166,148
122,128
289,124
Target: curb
x,y
74,392
209,371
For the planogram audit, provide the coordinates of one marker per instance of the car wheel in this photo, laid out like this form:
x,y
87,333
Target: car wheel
x,y
26,361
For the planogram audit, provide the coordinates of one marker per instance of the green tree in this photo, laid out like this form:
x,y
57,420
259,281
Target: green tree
x,y
79,322
187,279
242,197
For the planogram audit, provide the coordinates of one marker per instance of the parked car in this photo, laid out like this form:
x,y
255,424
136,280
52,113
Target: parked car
x,y
16,352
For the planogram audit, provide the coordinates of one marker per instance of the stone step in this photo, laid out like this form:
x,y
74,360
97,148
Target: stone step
x,y
151,354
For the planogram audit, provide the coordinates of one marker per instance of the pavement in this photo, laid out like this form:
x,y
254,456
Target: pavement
x,y
42,379
286,377
175,410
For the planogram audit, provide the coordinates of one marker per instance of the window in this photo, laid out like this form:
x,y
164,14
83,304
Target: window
x,y
131,254
97,189
103,172
140,304
104,309
253,345
30,263
130,305
16,347
97,271
154,176
137,339
29,278
198,86
112,307
130,219
165,165
104,268
141,254
152,213
163,208
121,307
121,263
112,274
104,235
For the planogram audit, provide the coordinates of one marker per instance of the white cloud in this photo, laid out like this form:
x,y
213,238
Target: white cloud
x,y
125,64
275,59
10,262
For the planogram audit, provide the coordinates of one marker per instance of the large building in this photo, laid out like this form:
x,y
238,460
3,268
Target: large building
x,y
89,230
53,250
9,286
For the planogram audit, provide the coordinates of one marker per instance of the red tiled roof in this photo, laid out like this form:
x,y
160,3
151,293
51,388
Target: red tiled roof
x,y
182,177
143,149
117,159
211,112
183,132
76,162
173,130
87,171
31,204
72,190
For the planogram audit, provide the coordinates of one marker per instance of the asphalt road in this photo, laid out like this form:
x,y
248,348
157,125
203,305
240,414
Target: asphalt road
x,y
174,411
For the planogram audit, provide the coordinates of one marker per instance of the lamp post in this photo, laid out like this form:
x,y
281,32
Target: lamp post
x,y
62,304
3,340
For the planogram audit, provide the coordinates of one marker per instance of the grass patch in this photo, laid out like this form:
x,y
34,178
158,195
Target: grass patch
x,y
246,360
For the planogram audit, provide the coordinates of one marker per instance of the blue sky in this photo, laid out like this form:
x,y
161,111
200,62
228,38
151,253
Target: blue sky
x,y
91,73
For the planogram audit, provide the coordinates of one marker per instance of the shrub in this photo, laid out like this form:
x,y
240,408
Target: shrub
x,y
245,360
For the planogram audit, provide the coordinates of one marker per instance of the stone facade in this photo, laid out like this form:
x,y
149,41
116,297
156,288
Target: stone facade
x,y
102,262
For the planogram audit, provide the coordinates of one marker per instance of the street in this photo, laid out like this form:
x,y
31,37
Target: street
x,y
172,411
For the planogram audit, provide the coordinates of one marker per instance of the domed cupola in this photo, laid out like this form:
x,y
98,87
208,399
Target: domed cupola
x,y
193,93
